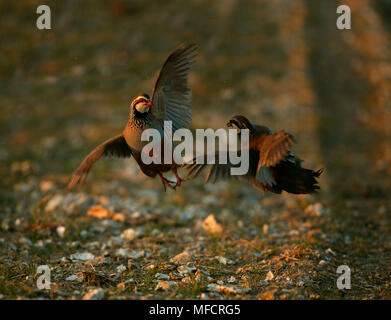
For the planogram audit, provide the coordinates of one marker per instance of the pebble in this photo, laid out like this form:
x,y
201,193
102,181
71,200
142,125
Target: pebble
x,y
165,285
186,269
129,234
118,217
24,240
94,294
226,289
98,212
186,279
162,276
269,276
54,202
181,258
211,226
74,277
82,256
315,209
136,254
61,231
121,268
46,185
121,252
223,260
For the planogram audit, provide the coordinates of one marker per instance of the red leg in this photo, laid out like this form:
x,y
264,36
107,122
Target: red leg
x,y
167,182
179,180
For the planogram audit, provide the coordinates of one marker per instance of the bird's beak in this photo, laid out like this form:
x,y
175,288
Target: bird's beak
x,y
149,103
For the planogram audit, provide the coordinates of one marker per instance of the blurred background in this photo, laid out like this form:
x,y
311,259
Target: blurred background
x,y
281,63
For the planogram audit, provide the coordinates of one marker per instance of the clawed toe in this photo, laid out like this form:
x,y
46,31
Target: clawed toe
x,y
167,182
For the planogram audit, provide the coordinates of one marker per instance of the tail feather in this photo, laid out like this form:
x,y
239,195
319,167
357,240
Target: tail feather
x,y
292,178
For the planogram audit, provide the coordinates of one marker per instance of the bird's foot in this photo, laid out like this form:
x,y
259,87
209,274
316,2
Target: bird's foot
x,y
179,180
167,182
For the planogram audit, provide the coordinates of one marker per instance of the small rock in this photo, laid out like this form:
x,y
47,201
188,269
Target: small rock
x,y
121,252
223,260
269,276
315,209
121,268
186,279
5,225
155,232
46,185
98,212
118,217
136,254
24,240
129,234
121,286
150,267
322,262
232,279
329,250
266,296
162,276
74,277
165,285
94,294
181,258
61,231
186,269
54,202
226,289
264,283
84,256
211,226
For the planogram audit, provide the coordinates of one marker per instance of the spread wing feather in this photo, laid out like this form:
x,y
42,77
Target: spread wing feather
x,y
274,148
116,146
218,171
171,95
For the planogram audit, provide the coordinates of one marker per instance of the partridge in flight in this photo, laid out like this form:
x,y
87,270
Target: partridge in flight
x,y
272,165
171,101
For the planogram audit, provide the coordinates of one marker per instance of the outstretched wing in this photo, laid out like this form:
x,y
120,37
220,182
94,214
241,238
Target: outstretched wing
x,y
171,95
115,146
274,148
219,171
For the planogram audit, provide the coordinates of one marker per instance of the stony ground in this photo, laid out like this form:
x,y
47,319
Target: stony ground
x,y
282,63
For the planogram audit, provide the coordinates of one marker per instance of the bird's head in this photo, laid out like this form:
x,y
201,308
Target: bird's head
x,y
141,105
240,122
